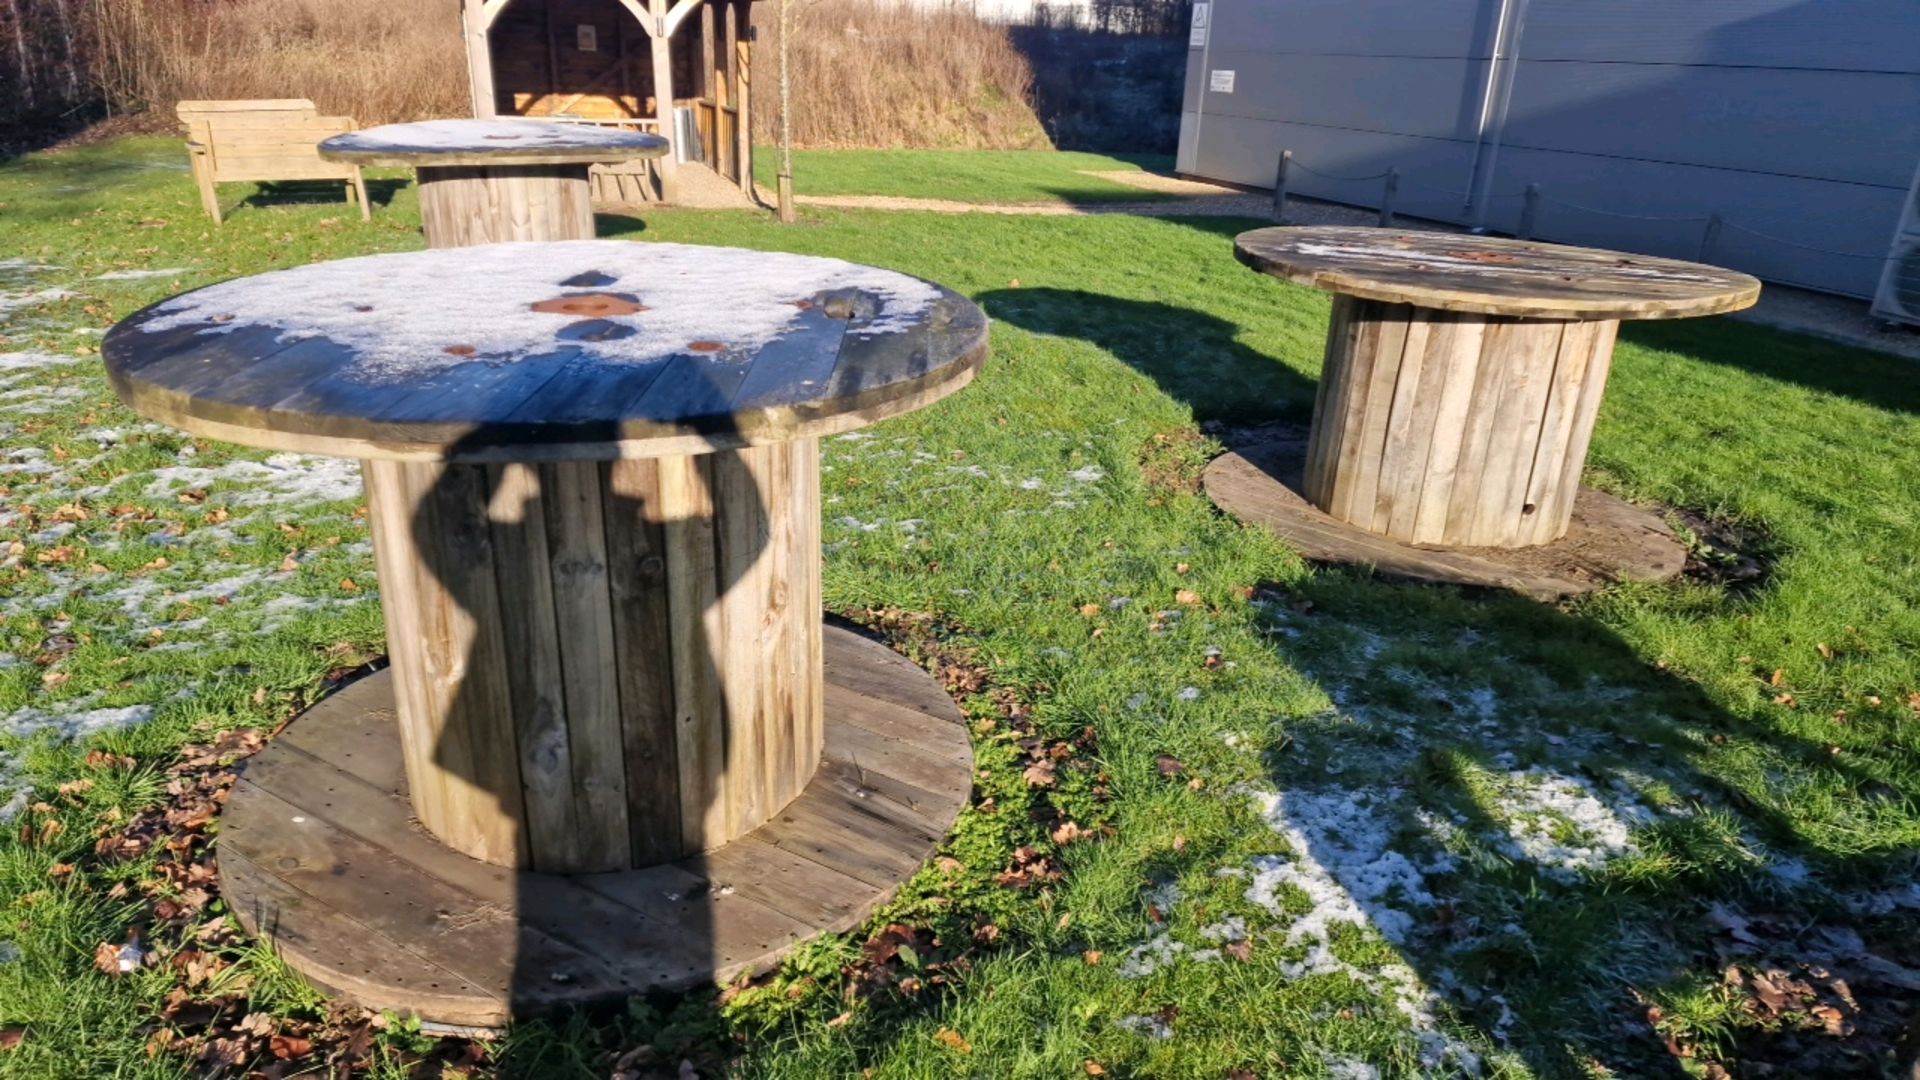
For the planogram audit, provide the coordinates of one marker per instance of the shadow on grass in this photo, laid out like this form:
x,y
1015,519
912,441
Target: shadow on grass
x,y
1538,817
1876,379
380,193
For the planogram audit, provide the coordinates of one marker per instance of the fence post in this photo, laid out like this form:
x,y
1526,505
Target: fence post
x,y
1529,212
1710,239
1387,197
1280,188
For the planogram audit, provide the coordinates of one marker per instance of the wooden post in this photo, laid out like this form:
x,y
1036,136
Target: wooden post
x,y
663,101
1280,188
744,55
1710,238
1387,196
1529,212
1464,430
473,28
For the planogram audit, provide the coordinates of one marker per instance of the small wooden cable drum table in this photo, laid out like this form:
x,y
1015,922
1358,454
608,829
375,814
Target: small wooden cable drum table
x,y
1462,380
483,181
616,749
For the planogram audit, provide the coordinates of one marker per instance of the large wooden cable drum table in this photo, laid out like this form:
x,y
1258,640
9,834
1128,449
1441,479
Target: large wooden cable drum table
x,y
615,749
484,181
1462,380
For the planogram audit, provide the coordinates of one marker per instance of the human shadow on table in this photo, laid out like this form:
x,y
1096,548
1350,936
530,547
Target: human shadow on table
x,y
559,574
1556,834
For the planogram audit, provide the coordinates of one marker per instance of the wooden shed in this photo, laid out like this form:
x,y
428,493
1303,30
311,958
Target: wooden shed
x,y
680,68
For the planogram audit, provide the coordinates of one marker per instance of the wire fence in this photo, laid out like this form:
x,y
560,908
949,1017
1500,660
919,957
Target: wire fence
x,y
1392,181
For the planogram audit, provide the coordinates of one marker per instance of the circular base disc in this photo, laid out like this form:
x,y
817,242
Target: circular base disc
x,y
1608,540
319,853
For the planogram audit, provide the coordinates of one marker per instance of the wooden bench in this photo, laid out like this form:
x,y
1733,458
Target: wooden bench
x,y
263,140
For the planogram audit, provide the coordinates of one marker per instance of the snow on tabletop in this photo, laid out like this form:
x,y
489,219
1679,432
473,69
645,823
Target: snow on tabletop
x,y
413,314
476,136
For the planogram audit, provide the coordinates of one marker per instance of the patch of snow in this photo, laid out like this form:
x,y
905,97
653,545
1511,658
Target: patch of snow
x,y
14,301
75,725
280,479
1151,1026
1188,693
399,314
35,361
1346,1068
492,134
1563,824
139,275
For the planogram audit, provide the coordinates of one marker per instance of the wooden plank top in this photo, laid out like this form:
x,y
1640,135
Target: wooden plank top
x,y
574,350
505,141
1492,275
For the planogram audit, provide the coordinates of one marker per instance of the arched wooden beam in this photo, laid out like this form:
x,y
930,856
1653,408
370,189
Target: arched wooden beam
x,y
490,10
679,14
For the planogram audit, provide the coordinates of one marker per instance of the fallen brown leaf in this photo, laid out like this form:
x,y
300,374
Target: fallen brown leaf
x,y
954,1039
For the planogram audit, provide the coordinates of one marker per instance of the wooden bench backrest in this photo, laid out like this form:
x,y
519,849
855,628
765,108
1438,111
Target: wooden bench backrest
x,y
273,139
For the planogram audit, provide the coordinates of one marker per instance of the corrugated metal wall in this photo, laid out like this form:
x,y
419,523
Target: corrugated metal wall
x,y
1798,119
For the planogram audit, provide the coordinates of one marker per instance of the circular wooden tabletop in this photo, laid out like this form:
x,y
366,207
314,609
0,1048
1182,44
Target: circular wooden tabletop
x,y
1492,275
576,350
506,141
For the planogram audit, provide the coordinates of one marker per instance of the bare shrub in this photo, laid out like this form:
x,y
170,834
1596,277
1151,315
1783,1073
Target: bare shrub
x,y
374,60
866,72
879,73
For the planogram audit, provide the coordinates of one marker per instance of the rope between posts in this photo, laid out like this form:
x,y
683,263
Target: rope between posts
x,y
1802,247
1712,221
1331,176
1618,214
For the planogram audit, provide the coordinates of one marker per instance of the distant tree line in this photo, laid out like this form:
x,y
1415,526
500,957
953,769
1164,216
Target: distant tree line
x,y
1147,18
44,71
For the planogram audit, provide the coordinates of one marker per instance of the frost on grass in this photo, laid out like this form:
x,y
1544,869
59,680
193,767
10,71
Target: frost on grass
x,y
1562,823
74,725
403,313
1346,1068
495,134
282,478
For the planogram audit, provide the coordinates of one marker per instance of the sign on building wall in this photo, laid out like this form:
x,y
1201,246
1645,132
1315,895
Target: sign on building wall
x,y
1197,37
1221,82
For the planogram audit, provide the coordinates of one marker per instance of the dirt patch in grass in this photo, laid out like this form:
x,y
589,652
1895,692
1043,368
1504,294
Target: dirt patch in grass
x,y
1172,461
1735,556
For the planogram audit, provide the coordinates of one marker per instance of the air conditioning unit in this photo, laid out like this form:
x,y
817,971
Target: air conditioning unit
x,y
1899,295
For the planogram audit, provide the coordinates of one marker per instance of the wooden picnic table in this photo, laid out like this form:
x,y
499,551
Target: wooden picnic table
x,y
593,487
491,180
1464,374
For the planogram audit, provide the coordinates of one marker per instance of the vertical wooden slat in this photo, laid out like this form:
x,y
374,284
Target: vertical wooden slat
x,y
1362,353
473,799
1460,342
1399,466
1370,448
581,603
1556,431
1489,376
695,633
637,582
1413,475
740,537
390,524
530,635
805,602
1329,405
1587,413
1531,349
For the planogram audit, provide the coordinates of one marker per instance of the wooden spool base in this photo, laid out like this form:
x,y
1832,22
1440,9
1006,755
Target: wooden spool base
x,y
319,854
1607,540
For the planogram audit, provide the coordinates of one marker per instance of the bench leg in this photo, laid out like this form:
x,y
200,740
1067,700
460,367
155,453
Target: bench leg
x,y
203,176
358,186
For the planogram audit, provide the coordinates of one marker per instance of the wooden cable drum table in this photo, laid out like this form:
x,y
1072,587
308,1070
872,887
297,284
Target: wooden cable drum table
x,y
1462,380
483,181
615,749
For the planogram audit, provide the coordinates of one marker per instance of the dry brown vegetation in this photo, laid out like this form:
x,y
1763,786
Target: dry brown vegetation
x,y
373,60
865,72
869,73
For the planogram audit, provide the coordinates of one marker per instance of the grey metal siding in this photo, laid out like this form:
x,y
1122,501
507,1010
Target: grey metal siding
x,y
1798,119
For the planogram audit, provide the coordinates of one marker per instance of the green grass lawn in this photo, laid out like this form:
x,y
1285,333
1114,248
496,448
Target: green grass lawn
x,y
1341,827
976,176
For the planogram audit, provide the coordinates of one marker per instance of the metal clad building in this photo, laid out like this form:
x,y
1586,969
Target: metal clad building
x,y
1796,119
